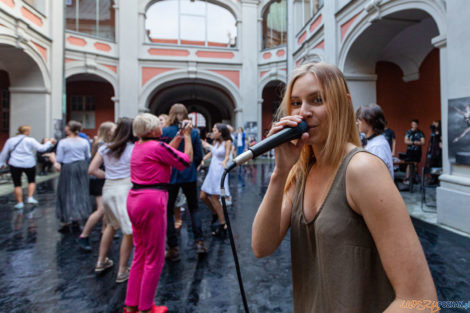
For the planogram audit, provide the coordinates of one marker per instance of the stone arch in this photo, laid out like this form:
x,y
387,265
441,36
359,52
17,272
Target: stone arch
x,y
12,41
433,8
80,67
29,85
314,55
270,76
214,78
270,99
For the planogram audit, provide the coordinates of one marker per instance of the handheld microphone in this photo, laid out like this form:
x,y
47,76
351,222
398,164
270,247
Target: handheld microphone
x,y
284,135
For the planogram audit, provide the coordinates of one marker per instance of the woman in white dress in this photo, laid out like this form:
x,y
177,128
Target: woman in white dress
x,y
210,189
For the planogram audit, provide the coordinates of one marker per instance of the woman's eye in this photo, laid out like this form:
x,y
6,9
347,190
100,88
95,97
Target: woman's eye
x,y
317,100
295,103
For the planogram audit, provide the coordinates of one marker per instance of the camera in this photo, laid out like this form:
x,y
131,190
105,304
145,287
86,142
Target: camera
x,y
433,128
182,124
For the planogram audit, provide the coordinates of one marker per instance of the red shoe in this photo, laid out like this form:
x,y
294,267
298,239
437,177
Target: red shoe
x,y
158,309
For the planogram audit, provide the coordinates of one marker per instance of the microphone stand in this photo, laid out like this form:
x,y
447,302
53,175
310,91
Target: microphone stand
x,y
230,235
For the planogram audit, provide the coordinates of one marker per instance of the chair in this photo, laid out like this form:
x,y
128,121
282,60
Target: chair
x,y
431,173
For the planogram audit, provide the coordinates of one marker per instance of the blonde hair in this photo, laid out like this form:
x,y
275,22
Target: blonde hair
x,y
341,120
144,124
175,110
166,118
23,129
104,135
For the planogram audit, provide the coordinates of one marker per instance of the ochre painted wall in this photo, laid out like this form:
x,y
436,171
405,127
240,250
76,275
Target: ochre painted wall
x,y
403,101
103,92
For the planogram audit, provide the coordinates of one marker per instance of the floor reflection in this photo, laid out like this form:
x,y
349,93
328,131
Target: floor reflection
x,y
44,271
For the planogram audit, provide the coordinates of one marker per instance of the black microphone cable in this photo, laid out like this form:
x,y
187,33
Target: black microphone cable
x,y
230,235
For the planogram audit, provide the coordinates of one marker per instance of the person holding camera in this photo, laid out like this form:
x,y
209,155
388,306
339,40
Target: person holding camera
x,y
414,138
186,180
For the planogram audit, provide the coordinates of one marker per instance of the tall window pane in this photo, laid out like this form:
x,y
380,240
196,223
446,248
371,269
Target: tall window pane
x,y
71,22
222,27
275,25
87,16
92,17
192,28
106,20
156,19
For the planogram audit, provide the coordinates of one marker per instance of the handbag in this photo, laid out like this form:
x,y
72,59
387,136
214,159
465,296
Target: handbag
x,y
11,151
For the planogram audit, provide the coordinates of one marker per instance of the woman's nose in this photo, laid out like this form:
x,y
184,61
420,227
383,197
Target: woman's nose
x,y
304,110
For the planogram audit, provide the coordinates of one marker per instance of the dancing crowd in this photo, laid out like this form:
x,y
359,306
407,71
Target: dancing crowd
x,y
140,171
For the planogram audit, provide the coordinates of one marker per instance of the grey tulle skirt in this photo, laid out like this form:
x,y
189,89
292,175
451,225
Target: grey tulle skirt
x,y
73,200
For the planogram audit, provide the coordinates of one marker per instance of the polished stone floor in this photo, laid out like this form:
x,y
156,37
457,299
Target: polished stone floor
x,y
44,271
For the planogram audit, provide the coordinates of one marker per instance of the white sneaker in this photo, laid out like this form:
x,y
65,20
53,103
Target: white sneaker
x,y
31,200
19,205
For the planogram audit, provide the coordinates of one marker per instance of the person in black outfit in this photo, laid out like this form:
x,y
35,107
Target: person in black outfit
x,y
389,134
434,152
44,159
187,181
414,138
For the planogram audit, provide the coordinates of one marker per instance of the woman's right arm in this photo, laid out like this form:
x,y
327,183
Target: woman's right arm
x,y
273,217
59,156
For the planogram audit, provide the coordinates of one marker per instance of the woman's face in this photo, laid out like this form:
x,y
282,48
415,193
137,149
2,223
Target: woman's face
x,y
156,132
163,120
363,126
306,100
215,133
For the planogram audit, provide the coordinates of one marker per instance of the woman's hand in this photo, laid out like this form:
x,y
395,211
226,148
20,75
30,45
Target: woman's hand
x,y
224,164
287,154
187,128
200,165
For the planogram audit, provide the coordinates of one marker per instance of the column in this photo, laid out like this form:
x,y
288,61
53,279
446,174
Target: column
x,y
128,47
249,72
453,196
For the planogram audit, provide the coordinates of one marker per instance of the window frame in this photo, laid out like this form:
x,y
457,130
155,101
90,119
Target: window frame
x,y
264,22
76,30
179,39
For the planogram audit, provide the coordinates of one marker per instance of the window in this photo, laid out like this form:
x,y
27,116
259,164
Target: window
x,y
275,24
197,119
92,17
82,109
191,22
304,10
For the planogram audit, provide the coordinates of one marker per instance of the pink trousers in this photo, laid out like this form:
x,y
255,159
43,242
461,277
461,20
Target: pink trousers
x,y
147,212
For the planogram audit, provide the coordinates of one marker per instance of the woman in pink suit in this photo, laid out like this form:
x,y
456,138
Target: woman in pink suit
x,y
151,164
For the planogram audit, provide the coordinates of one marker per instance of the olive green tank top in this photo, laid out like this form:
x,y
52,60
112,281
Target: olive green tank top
x,y
335,263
